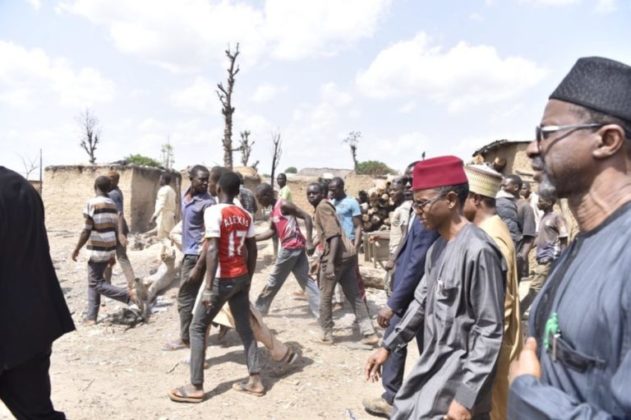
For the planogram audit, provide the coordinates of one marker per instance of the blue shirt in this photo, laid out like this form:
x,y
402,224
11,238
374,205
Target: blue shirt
x,y
193,222
116,195
346,209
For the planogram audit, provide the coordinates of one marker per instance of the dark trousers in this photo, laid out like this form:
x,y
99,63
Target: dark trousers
x,y
393,369
97,286
236,292
186,296
346,276
25,390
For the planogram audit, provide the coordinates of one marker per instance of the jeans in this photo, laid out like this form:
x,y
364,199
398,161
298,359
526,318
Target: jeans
x,y
236,293
346,276
289,261
186,296
393,369
123,261
97,286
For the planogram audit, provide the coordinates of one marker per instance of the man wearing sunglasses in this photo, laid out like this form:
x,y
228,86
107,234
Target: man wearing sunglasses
x,y
459,305
578,362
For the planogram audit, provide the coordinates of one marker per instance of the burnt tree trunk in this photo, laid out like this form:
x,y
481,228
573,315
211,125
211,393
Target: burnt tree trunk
x,y
225,97
278,150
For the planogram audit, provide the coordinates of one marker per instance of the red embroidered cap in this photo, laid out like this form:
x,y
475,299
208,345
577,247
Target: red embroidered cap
x,y
438,172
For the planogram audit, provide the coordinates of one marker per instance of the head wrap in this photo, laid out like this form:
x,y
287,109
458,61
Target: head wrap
x,y
599,84
483,180
438,172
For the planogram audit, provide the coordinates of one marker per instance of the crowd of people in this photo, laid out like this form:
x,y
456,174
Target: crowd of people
x,y
460,244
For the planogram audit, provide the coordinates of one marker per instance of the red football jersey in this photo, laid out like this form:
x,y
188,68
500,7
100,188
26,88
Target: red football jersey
x,y
232,225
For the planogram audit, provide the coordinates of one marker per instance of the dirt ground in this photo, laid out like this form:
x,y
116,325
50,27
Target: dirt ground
x,y
111,372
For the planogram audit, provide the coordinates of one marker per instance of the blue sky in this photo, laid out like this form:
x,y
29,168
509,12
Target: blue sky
x,y
445,77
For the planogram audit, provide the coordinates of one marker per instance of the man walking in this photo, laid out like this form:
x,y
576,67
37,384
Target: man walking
x,y
551,241
578,362
459,304
520,219
164,213
409,267
116,195
484,184
100,231
194,202
230,263
338,264
285,192
32,306
292,257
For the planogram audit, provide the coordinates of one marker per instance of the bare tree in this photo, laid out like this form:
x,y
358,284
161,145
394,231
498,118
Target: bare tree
x,y
245,147
225,97
167,157
30,165
353,140
277,149
90,133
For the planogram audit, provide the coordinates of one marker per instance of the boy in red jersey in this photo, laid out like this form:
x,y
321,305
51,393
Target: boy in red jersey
x,y
230,263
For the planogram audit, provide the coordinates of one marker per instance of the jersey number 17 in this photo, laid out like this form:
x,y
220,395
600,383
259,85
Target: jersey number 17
x,y
235,242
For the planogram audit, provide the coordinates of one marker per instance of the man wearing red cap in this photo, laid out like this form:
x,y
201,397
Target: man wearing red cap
x,y
459,304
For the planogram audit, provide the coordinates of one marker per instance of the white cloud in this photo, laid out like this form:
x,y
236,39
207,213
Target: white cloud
x,y
476,17
185,35
26,76
407,107
300,29
462,76
200,96
266,92
36,4
606,6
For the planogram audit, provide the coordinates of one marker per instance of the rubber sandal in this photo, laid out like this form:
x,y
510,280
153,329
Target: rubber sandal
x,y
242,387
180,395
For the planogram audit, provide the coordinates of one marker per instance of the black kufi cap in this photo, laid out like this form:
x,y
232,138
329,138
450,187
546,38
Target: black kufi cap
x,y
599,84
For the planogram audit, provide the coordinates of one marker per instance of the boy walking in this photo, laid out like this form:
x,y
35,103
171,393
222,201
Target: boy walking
x,y
230,264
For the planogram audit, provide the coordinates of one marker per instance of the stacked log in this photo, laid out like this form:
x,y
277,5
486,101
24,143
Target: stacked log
x,y
376,210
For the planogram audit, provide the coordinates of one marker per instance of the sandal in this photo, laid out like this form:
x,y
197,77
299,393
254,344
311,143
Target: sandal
x,y
243,387
290,357
180,395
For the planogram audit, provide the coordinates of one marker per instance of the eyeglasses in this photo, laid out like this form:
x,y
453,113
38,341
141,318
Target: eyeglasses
x,y
420,205
543,131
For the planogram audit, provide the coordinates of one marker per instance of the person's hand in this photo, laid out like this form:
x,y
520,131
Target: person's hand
x,y
112,261
384,316
123,240
315,266
330,271
372,239
457,412
389,265
527,363
374,363
207,297
310,248
194,276
75,254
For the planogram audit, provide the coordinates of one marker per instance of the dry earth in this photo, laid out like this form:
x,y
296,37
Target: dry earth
x,y
111,372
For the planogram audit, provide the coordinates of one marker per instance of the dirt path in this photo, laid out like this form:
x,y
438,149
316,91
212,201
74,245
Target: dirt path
x,y
109,372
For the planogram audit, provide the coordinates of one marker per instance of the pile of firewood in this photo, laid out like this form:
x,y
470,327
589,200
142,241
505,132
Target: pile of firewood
x,y
376,211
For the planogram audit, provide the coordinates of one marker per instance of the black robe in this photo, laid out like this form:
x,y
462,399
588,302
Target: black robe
x,y
33,312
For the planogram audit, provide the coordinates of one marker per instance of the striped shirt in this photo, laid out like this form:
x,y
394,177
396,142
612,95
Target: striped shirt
x,y
101,219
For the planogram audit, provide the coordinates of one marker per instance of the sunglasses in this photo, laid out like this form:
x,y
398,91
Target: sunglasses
x,y
543,132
